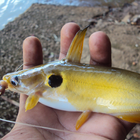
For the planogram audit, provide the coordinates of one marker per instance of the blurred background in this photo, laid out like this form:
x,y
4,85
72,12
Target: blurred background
x,y
10,9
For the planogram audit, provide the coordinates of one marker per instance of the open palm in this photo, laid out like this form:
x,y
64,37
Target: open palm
x,y
98,127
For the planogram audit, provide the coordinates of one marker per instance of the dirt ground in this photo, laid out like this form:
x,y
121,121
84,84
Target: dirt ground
x,y
121,24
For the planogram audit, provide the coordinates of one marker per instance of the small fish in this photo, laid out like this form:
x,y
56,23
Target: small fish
x,y
71,86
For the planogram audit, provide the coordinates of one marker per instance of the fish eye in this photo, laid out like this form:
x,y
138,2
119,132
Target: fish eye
x,y
55,81
14,80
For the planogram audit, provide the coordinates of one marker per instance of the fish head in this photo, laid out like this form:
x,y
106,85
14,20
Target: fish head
x,y
23,81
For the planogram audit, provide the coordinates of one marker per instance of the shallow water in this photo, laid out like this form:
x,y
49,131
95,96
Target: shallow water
x,y
10,9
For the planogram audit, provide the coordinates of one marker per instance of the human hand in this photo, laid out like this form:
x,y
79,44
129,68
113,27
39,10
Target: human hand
x,y
102,126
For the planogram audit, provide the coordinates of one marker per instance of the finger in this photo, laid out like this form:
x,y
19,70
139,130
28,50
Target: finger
x,y
32,52
100,49
32,56
68,32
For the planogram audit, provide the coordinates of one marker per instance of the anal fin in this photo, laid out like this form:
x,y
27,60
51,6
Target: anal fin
x,y
75,51
130,117
82,119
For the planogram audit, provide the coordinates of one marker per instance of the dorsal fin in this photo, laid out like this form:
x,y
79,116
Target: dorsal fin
x,y
75,51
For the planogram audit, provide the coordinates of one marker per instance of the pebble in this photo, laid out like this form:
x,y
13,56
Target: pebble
x,y
9,128
99,23
134,63
126,19
136,45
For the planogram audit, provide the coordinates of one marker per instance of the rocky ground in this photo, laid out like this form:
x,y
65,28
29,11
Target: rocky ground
x,y
121,24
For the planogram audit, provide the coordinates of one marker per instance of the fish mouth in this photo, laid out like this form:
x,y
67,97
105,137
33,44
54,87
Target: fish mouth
x,y
6,78
15,88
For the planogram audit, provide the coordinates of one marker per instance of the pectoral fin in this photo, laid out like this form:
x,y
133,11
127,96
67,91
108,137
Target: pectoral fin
x,y
82,119
31,101
75,51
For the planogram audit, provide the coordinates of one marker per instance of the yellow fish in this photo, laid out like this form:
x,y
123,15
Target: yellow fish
x,y
71,86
